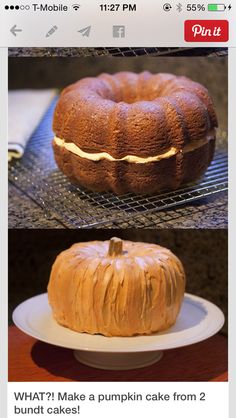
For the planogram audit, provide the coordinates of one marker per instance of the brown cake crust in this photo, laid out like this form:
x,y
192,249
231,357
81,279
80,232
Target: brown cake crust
x,y
144,115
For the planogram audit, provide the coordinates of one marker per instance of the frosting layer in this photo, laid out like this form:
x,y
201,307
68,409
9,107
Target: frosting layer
x,y
139,291
70,146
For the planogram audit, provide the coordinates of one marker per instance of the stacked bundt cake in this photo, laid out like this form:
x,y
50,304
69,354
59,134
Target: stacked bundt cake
x,y
116,288
138,133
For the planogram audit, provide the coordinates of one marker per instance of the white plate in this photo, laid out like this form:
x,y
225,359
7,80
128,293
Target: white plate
x,y
198,320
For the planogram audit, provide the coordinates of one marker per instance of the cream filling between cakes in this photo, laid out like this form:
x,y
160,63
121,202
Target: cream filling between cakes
x,y
70,146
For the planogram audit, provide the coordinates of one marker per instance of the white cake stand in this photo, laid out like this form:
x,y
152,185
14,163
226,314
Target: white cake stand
x,y
197,321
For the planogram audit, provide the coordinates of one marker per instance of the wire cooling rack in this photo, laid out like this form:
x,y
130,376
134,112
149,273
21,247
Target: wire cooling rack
x,y
36,174
114,51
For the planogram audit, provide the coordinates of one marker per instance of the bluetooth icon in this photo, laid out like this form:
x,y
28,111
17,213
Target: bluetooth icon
x,y
179,7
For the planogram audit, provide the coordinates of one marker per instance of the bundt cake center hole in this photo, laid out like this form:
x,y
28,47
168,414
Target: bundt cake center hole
x,y
135,98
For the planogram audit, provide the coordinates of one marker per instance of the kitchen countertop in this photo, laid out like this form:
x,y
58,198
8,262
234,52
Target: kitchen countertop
x,y
37,361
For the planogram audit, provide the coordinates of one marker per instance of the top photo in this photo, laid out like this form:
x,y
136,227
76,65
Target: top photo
x,y
111,139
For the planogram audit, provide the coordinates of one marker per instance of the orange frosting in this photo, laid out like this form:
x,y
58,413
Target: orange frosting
x,y
137,290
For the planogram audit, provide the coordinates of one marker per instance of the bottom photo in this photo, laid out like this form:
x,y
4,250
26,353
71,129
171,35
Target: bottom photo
x,y
118,305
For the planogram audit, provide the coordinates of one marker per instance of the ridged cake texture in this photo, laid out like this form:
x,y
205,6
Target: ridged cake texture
x,y
137,290
171,118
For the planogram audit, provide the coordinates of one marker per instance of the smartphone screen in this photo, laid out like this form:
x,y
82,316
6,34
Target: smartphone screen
x,y
117,123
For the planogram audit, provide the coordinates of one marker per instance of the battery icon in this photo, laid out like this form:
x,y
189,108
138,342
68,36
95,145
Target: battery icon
x,y
214,7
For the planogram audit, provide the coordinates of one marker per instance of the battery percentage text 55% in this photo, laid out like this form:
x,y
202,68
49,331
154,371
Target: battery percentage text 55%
x,y
196,7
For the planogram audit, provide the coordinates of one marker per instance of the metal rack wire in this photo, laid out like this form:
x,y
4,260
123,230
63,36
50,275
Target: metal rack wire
x,y
114,51
37,176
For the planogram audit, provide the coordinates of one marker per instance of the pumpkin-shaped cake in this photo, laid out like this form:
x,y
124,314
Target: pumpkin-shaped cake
x,y
116,288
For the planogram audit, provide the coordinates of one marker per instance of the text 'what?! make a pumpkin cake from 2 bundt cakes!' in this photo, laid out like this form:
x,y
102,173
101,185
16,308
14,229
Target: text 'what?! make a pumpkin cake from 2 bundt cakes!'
x,y
138,133
116,288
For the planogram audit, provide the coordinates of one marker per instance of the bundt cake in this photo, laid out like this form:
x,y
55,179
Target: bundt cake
x,y
116,288
138,133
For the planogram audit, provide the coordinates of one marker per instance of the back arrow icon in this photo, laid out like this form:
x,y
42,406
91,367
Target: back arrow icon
x,y
14,30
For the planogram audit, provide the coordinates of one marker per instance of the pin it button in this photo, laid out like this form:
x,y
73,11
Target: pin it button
x,y
206,30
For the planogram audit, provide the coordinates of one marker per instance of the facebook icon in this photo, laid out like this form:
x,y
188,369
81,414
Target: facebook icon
x,y
118,31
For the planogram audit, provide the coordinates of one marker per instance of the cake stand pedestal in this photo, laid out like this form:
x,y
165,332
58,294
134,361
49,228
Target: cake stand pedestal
x,y
117,361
